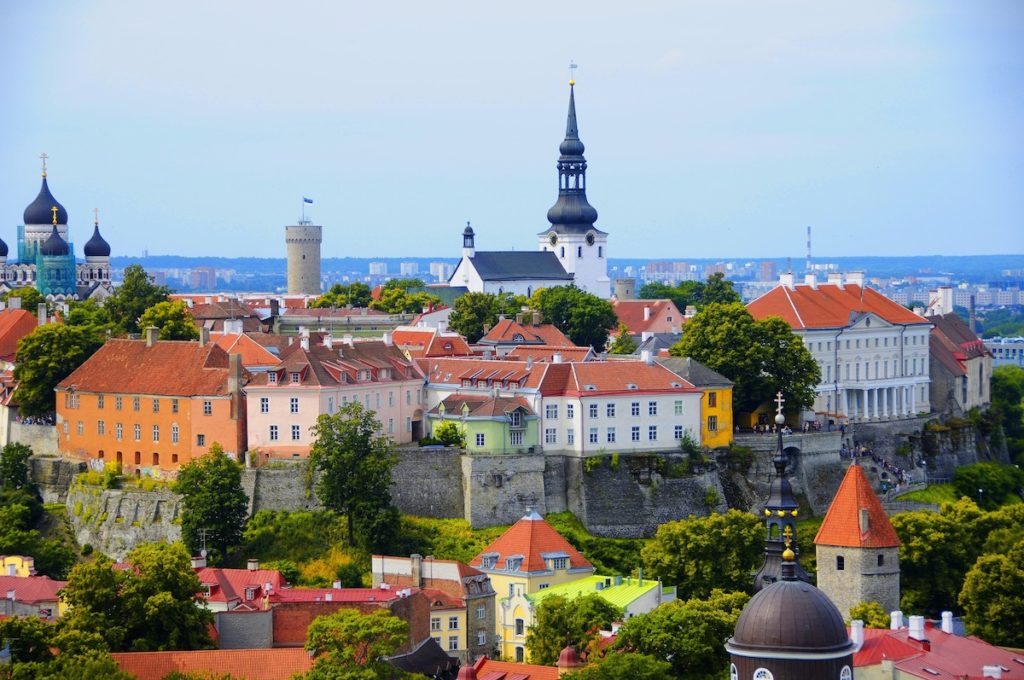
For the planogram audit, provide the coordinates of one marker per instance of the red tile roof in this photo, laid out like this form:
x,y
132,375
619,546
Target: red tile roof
x,y
481,405
169,367
14,325
454,371
429,342
953,343
251,664
532,539
439,599
31,589
341,363
617,377
346,595
506,330
546,353
229,585
841,526
631,313
488,669
252,352
828,306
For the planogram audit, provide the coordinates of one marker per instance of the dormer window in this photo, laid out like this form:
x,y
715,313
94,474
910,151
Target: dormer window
x,y
296,376
448,346
560,563
272,378
518,337
488,561
250,593
513,563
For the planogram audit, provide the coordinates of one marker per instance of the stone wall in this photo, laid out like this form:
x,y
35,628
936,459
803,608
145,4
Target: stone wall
x,y
53,476
279,487
815,469
500,488
42,438
428,482
114,521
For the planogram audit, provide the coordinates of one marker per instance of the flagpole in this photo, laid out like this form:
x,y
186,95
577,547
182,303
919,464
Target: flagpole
x,y
303,210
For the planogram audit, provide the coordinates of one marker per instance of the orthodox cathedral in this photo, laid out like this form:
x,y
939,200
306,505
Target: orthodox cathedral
x,y
46,257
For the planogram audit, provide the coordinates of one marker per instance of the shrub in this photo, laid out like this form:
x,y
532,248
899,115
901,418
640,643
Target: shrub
x,y
592,463
449,433
87,549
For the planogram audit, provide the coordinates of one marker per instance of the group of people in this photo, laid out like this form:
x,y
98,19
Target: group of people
x,y
47,419
898,477
769,429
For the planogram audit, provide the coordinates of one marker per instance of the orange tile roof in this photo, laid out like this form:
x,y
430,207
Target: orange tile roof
x,y
543,334
631,313
841,526
828,306
531,538
547,352
169,367
251,664
611,377
229,585
482,405
488,669
428,342
450,371
14,325
252,352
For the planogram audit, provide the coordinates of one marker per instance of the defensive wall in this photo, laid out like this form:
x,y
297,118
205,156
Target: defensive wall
x,y
114,521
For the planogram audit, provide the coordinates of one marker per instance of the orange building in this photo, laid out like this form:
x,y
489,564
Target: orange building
x,y
152,405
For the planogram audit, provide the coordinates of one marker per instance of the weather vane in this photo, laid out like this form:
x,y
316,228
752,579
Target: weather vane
x,y
572,72
96,216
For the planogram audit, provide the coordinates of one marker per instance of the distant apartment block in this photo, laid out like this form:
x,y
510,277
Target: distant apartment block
x,y
1006,351
409,269
203,278
378,269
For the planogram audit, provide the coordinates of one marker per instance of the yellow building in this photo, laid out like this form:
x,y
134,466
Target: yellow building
x,y
447,621
17,565
529,557
716,420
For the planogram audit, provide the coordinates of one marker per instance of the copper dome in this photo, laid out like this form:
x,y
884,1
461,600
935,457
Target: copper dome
x,y
790,616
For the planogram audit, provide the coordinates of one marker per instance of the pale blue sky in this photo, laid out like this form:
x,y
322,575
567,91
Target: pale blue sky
x,y
713,129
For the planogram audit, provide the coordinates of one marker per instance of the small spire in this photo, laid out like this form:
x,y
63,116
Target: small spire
x,y
44,157
572,72
54,209
96,216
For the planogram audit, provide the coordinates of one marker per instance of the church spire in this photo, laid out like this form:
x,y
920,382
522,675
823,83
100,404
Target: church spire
x,y
571,213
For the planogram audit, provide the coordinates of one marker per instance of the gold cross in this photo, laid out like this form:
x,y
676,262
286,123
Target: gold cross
x,y
44,157
780,401
54,211
96,215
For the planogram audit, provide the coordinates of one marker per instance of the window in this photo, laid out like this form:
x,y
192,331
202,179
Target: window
x,y
293,405
481,611
610,410
408,398
453,623
391,426
119,431
592,435
520,653
156,433
560,563
264,405
734,673
117,403
763,674
296,376
200,440
156,406
100,400
634,408
542,586
579,251
435,623
551,411
135,403
296,433
513,564
137,432
677,432
600,253
652,433
570,411
408,424
174,405
712,423
712,399
207,408
515,419
101,427
652,408
881,560
520,630
453,642
550,435
610,435
840,563
273,433
80,428
174,434
592,410
481,439
481,637
846,673
272,378
391,398
678,407
634,433
570,436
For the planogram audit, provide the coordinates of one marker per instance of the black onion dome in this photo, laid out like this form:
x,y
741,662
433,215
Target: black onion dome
x,y
572,213
3,248
791,616
468,231
54,246
97,246
40,210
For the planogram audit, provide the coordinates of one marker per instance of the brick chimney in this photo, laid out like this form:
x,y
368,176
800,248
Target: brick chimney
x,y
151,335
204,336
416,567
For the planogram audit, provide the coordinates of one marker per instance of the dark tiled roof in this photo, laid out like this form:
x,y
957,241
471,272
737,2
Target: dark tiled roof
x,y
427,658
514,264
695,372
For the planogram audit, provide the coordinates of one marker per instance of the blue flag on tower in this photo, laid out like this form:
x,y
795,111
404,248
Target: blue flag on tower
x,y
307,200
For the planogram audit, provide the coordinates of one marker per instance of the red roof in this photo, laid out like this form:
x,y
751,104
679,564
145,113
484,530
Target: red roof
x,y
532,539
828,306
615,377
439,599
631,313
31,589
169,367
506,332
547,352
455,371
251,664
230,585
429,342
488,669
841,526
481,405
346,595
14,325
252,352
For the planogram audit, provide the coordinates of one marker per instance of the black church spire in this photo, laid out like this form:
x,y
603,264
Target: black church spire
x,y
571,213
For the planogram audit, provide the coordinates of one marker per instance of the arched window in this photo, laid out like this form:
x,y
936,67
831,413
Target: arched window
x,y
763,674
840,563
733,673
846,673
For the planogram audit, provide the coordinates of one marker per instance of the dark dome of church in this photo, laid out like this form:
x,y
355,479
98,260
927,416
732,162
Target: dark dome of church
x,y
573,209
54,246
40,211
790,616
571,147
468,231
96,246
3,248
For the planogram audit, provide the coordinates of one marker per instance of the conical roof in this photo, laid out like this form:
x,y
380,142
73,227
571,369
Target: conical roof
x,y
856,518
54,246
40,211
572,213
533,540
96,246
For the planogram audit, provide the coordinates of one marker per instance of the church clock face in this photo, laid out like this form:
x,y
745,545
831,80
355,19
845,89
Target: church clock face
x,y
553,239
590,239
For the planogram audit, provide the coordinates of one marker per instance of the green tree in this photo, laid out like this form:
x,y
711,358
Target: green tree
x,y
1006,414
449,433
559,621
582,316
871,613
150,607
30,638
760,357
29,296
700,554
90,315
135,295
717,289
46,356
212,499
623,343
354,460
688,634
993,598
20,511
619,665
989,484
172,318
398,301
472,312
14,466
356,294
352,646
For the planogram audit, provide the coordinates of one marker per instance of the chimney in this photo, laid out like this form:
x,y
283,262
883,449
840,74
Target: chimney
x,y
647,313
336,585
416,567
204,336
991,671
304,341
14,302
519,318
865,523
690,311
233,326
41,313
947,622
647,357
811,280
387,339
857,632
198,562
234,374
787,280
916,629
556,358
253,564
328,341
646,335
347,339
208,299
855,278
536,318
836,279
896,620
529,363
487,354
487,328
275,307
151,335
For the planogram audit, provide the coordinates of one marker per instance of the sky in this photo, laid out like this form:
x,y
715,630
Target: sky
x,y
713,129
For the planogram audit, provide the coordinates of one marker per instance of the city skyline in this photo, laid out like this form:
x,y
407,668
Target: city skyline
x,y
712,130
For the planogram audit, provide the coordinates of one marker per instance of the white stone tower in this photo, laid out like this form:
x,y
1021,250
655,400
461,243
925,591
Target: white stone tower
x,y
303,257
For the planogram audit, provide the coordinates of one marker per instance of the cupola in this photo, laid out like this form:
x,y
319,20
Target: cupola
x,y
96,246
54,246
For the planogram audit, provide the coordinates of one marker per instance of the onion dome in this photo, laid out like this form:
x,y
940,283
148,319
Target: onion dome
x,y
3,248
571,213
97,246
54,246
40,211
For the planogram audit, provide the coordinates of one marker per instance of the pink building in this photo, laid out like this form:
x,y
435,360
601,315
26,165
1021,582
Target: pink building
x,y
310,379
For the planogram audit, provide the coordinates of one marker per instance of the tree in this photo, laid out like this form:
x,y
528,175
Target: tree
x,y
717,289
472,312
688,634
30,297
356,294
398,301
1007,410
559,621
149,607
91,316
623,343
212,499
46,356
582,316
700,554
352,646
172,318
993,598
20,510
135,295
760,357
14,466
449,433
620,665
989,484
871,613
354,460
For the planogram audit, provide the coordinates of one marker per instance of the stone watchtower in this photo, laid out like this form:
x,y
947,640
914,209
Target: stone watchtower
x,y
857,548
303,258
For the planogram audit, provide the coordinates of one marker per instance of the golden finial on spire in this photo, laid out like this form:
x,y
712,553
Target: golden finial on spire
x,y
53,209
96,216
788,555
44,157
572,73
